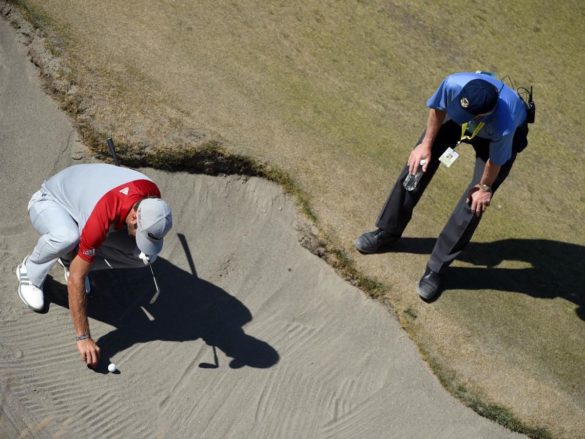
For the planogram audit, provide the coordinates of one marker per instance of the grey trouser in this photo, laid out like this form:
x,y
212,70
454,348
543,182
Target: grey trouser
x,y
60,237
457,233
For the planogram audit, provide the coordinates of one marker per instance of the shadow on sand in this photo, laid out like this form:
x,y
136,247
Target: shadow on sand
x,y
188,308
555,269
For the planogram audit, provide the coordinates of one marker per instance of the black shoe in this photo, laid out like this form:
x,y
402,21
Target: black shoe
x,y
429,285
374,242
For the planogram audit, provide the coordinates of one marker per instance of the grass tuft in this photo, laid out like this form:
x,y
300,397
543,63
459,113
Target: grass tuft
x,y
411,313
32,15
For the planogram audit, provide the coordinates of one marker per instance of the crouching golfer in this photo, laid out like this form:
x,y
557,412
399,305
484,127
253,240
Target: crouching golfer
x,y
91,217
467,107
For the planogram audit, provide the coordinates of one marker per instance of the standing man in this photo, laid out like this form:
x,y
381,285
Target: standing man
x,y
475,108
91,217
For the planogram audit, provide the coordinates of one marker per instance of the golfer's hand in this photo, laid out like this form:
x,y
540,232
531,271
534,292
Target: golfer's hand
x,y
478,200
421,152
90,352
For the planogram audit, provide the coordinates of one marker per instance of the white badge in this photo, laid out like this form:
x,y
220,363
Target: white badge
x,y
448,157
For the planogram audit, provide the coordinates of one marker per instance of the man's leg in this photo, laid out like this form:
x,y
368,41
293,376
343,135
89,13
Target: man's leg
x,y
59,235
458,231
397,210
462,224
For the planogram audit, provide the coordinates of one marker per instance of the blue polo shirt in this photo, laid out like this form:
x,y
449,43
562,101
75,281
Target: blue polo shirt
x,y
500,126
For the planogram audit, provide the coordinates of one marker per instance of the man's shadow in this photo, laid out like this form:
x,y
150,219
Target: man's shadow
x,y
549,269
187,308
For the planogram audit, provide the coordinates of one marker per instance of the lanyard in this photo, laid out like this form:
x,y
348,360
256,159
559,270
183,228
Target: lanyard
x,y
475,131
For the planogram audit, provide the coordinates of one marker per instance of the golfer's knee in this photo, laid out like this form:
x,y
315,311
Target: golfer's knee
x,y
64,240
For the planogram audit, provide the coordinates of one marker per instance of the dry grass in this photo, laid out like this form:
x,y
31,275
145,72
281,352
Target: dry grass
x,y
333,92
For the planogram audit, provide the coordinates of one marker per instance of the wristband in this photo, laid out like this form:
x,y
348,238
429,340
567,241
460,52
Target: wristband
x,y
82,337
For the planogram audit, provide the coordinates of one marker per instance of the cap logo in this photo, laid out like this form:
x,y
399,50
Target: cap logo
x,y
125,190
464,102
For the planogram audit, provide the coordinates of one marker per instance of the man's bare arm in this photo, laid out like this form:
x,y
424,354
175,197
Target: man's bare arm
x,y
480,199
490,173
423,150
88,349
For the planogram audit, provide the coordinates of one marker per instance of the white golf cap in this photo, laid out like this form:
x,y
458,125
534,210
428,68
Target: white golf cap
x,y
155,219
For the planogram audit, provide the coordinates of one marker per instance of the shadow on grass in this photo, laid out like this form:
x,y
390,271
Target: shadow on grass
x,y
187,309
556,269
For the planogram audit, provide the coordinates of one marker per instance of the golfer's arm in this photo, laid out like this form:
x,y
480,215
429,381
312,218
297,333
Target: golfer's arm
x,y
76,293
490,172
434,122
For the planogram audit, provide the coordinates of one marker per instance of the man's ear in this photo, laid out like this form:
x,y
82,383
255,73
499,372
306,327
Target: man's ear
x,y
132,217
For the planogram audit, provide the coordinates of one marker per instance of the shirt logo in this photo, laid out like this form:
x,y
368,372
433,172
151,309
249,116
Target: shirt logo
x,y
125,190
464,102
89,252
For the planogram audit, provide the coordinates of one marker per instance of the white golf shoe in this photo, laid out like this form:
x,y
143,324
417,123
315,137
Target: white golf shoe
x,y
86,282
31,295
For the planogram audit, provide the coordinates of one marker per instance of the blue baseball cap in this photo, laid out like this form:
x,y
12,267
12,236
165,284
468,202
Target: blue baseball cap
x,y
476,97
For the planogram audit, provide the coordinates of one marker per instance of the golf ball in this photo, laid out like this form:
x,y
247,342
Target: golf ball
x,y
112,367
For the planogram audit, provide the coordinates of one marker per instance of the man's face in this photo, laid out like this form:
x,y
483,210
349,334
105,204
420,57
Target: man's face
x,y
132,223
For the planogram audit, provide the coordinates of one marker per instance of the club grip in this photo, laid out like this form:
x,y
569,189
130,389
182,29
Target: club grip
x,y
112,149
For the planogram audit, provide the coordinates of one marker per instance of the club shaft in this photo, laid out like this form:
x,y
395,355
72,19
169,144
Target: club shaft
x,y
157,289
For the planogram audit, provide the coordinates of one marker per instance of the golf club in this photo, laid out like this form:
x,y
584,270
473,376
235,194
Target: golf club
x,y
145,259
157,289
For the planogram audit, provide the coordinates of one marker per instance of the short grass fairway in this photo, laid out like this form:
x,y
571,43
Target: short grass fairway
x,y
333,93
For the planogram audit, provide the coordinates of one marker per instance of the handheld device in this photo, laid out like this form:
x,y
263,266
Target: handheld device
x,y
529,102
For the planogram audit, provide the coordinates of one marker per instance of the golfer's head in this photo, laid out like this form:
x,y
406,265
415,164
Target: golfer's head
x,y
477,98
154,219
